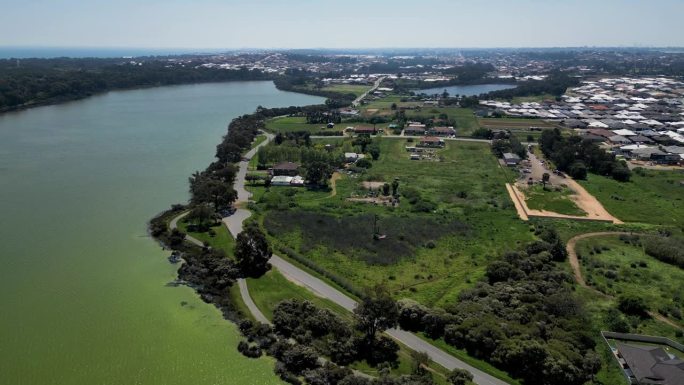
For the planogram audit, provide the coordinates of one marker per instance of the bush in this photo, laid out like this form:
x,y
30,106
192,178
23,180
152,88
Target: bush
x,y
632,305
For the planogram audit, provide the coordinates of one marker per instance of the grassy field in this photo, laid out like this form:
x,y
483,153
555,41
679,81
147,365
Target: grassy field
x,y
297,123
466,122
222,239
513,123
615,267
273,287
466,186
552,199
656,197
356,89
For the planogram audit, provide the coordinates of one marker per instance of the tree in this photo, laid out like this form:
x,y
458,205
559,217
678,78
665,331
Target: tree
x,y
376,312
252,252
578,170
395,187
545,179
459,377
200,215
386,189
621,173
393,106
318,173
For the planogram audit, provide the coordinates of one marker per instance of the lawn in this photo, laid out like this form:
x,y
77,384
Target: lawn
x,y
287,124
268,290
222,239
555,199
431,265
615,267
655,197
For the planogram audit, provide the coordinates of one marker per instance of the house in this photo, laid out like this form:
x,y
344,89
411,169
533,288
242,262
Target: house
x,y
365,130
640,139
669,159
415,156
286,168
647,365
511,159
415,129
442,131
619,139
431,141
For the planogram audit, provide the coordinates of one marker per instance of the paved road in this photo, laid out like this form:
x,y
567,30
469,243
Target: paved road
x,y
322,289
174,225
375,86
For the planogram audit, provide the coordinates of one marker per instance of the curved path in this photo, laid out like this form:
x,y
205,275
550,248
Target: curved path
x,y
323,289
577,270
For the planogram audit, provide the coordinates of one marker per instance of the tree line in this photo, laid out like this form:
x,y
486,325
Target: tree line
x,y
555,84
577,156
44,81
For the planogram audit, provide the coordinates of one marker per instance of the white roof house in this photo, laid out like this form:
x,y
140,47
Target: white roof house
x,y
624,132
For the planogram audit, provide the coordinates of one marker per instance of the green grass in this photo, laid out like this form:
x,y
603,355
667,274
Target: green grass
x,y
657,197
223,240
356,89
462,355
467,185
271,288
268,290
627,269
552,199
297,123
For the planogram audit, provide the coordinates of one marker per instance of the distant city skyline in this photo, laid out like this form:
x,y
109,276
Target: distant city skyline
x,y
269,24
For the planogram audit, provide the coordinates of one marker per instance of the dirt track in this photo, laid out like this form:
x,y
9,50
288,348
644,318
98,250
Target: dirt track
x,y
582,198
577,270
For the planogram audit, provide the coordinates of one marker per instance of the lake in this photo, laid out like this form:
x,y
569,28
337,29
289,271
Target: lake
x,y
471,90
83,288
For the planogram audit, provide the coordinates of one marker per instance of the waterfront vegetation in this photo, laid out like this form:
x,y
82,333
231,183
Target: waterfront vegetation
x,y
440,231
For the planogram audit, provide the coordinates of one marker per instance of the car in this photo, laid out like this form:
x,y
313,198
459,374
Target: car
x,y
527,171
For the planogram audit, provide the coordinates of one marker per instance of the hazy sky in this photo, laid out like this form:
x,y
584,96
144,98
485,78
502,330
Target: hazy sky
x,y
340,24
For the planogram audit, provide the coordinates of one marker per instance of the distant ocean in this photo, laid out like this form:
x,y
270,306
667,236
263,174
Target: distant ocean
x,y
51,52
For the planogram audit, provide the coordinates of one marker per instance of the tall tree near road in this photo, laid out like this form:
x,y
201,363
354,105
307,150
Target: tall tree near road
x,y
252,252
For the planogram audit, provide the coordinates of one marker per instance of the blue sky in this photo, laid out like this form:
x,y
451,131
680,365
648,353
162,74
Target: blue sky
x,y
340,24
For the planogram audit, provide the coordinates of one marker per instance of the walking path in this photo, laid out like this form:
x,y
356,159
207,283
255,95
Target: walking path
x,y
322,289
577,270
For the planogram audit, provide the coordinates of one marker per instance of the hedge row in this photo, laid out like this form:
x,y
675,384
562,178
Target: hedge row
x,y
343,283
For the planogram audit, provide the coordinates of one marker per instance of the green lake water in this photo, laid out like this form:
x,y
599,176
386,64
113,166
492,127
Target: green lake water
x,y
83,289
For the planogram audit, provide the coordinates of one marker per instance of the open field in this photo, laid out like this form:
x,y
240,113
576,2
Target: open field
x,y
356,89
465,190
615,267
513,123
656,197
297,123
554,199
